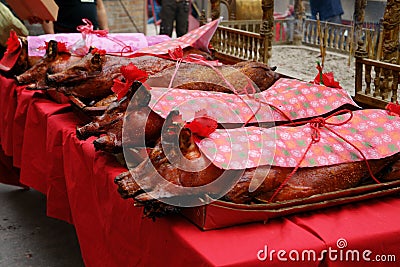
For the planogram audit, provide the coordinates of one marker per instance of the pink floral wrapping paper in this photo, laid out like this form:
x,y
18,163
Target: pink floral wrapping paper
x,y
198,38
372,131
113,44
295,98
138,42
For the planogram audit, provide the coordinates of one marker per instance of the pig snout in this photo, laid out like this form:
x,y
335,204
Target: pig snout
x,y
22,79
127,186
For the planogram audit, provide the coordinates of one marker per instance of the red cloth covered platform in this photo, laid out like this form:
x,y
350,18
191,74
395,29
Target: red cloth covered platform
x,y
38,136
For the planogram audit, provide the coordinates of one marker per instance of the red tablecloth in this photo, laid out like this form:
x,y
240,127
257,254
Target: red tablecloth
x,y
78,183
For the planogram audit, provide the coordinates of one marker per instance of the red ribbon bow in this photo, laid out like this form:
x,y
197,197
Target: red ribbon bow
x,y
326,78
393,109
102,52
131,74
14,49
87,28
176,53
202,125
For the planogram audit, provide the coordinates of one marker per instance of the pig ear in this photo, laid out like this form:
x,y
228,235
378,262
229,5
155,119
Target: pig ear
x,y
171,128
52,49
174,136
185,139
174,117
142,96
97,62
91,48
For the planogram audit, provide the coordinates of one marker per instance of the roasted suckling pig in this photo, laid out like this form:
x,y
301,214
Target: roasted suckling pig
x,y
225,78
305,181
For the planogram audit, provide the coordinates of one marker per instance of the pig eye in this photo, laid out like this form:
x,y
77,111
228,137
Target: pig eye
x,y
50,70
80,69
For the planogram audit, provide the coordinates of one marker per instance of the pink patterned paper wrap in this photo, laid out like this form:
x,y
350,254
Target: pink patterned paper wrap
x,y
156,39
113,43
198,38
297,99
373,131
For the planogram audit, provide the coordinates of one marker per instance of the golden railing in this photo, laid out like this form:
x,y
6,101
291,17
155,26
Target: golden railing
x,y
244,25
282,28
339,36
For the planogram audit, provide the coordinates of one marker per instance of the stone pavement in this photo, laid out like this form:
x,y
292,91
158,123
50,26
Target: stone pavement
x,y
28,238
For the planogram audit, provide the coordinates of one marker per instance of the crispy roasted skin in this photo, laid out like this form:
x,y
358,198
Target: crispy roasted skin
x,y
201,77
305,182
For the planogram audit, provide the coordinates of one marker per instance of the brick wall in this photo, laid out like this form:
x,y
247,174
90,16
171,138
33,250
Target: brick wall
x,y
118,19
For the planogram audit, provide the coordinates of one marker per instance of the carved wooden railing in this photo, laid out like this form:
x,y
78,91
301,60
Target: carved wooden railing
x,y
283,33
233,44
377,82
381,78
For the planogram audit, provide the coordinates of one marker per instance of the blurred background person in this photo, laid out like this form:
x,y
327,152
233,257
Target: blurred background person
x,y
174,11
328,10
71,13
157,8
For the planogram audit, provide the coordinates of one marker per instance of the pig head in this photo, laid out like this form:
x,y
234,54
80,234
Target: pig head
x,y
130,119
92,77
52,61
174,161
261,74
89,78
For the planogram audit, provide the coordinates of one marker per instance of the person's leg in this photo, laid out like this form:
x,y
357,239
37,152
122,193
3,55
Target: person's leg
x,y
182,18
167,16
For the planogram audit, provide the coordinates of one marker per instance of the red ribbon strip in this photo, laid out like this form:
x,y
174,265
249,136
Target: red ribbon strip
x,y
316,124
